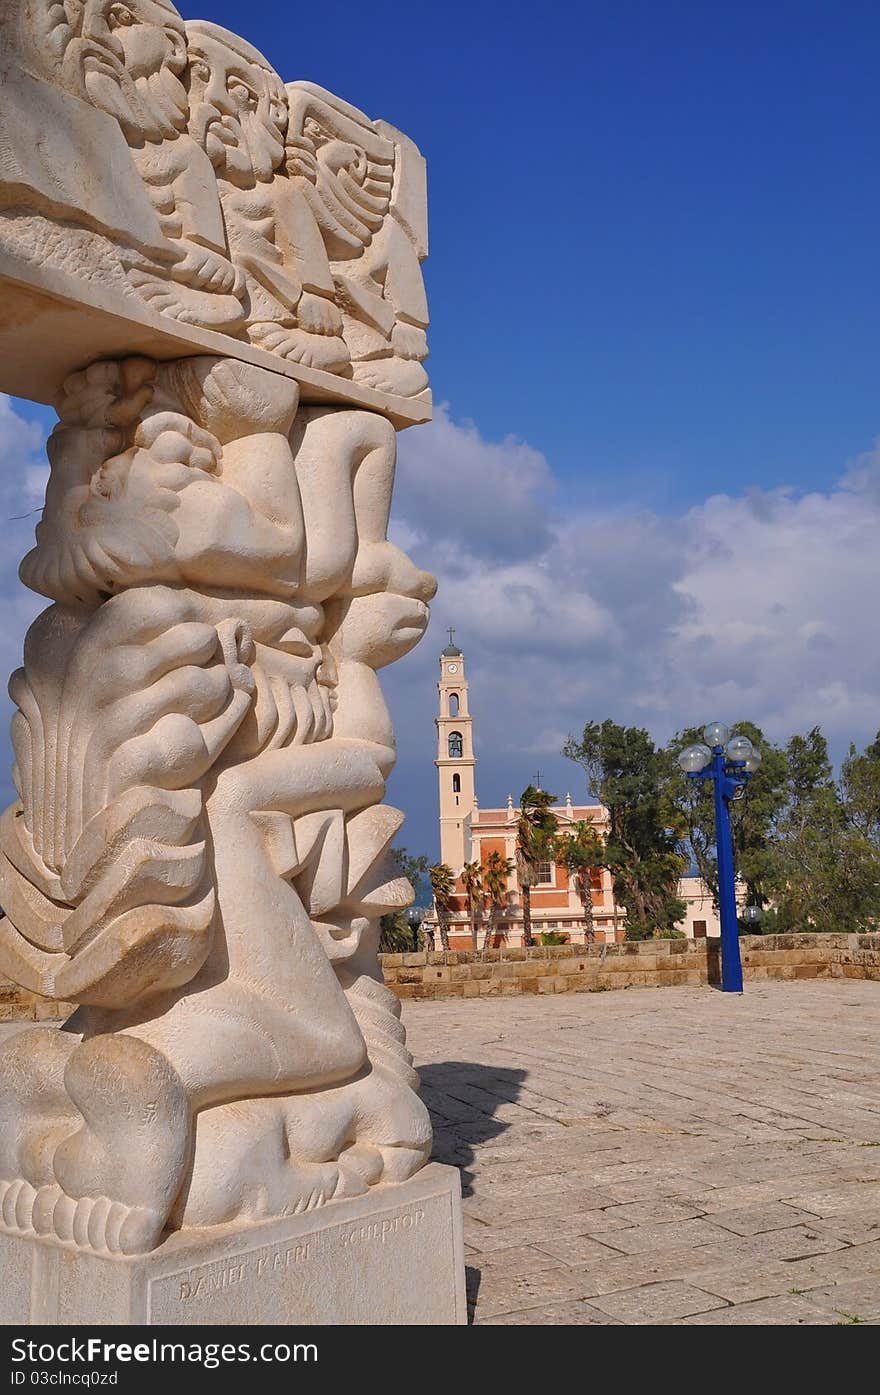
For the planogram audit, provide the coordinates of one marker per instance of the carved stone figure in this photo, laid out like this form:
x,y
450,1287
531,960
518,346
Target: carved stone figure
x,y
128,61
215,280
151,163
359,182
197,852
239,112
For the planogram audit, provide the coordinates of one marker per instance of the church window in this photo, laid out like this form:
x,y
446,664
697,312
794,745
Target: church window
x,y
453,704
456,748
456,784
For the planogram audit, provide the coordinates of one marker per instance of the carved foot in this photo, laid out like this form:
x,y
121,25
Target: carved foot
x,y
402,376
94,1142
108,1184
120,1172
95,1222
325,351
318,315
36,1112
190,305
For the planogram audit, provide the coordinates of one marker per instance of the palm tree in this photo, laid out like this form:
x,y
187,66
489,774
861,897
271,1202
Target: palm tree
x,y
580,851
472,881
442,880
535,843
496,873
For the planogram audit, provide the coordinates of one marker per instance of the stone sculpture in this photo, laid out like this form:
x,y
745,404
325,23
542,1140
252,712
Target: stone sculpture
x,y
198,857
168,164
197,852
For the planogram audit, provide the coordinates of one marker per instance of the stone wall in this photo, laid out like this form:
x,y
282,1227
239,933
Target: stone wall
x,y
638,964
18,1005
576,968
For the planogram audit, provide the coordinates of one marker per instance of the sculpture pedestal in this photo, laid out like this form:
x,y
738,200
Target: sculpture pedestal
x,y
392,1256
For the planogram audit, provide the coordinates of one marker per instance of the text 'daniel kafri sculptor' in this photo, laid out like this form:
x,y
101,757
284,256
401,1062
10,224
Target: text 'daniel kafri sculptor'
x,y
198,854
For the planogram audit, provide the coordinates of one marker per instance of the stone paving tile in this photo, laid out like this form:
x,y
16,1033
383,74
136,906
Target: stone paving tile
x,y
743,1282
630,1270
696,1137
504,1293
796,1242
855,1227
501,1213
656,1303
787,1310
742,1197
488,1238
858,1298
580,1251
753,1220
646,1211
839,1265
836,1201
558,1314
517,1260
643,1239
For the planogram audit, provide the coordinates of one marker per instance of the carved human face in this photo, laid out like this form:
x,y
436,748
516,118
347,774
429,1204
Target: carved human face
x,y
238,110
127,59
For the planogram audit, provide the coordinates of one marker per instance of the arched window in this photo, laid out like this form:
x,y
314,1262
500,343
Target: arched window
x,y
456,784
456,749
453,704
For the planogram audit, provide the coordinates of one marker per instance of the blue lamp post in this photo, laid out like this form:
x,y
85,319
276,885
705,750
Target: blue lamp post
x,y
729,762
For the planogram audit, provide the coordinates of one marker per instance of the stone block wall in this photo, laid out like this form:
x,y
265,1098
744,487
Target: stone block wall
x,y
495,973
18,1005
638,964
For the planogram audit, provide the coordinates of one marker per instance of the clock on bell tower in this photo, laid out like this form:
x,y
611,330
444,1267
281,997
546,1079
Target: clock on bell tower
x,y
455,758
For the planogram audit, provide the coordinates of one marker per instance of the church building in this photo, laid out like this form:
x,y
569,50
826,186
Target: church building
x,y
469,833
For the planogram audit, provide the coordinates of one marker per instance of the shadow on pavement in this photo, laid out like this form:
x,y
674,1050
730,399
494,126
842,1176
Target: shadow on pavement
x,y
463,1098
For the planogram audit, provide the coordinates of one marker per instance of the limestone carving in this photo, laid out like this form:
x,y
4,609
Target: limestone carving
x,y
198,853
116,73
239,110
365,187
167,164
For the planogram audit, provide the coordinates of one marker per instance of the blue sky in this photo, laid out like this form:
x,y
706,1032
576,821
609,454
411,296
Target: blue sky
x,y
653,225
653,280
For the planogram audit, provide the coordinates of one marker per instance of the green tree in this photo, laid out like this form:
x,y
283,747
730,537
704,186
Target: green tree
x,y
634,781
395,933
496,874
826,841
860,790
581,851
472,881
535,843
753,818
442,880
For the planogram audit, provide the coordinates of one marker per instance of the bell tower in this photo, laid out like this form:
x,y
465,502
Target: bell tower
x,y
455,758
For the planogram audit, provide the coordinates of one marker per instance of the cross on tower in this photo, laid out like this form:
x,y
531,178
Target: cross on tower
x,y
451,633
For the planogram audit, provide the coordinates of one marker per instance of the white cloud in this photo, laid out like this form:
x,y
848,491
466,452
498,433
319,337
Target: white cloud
x,y
760,605
488,497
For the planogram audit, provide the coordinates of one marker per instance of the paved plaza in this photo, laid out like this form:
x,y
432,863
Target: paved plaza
x,y
668,1155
